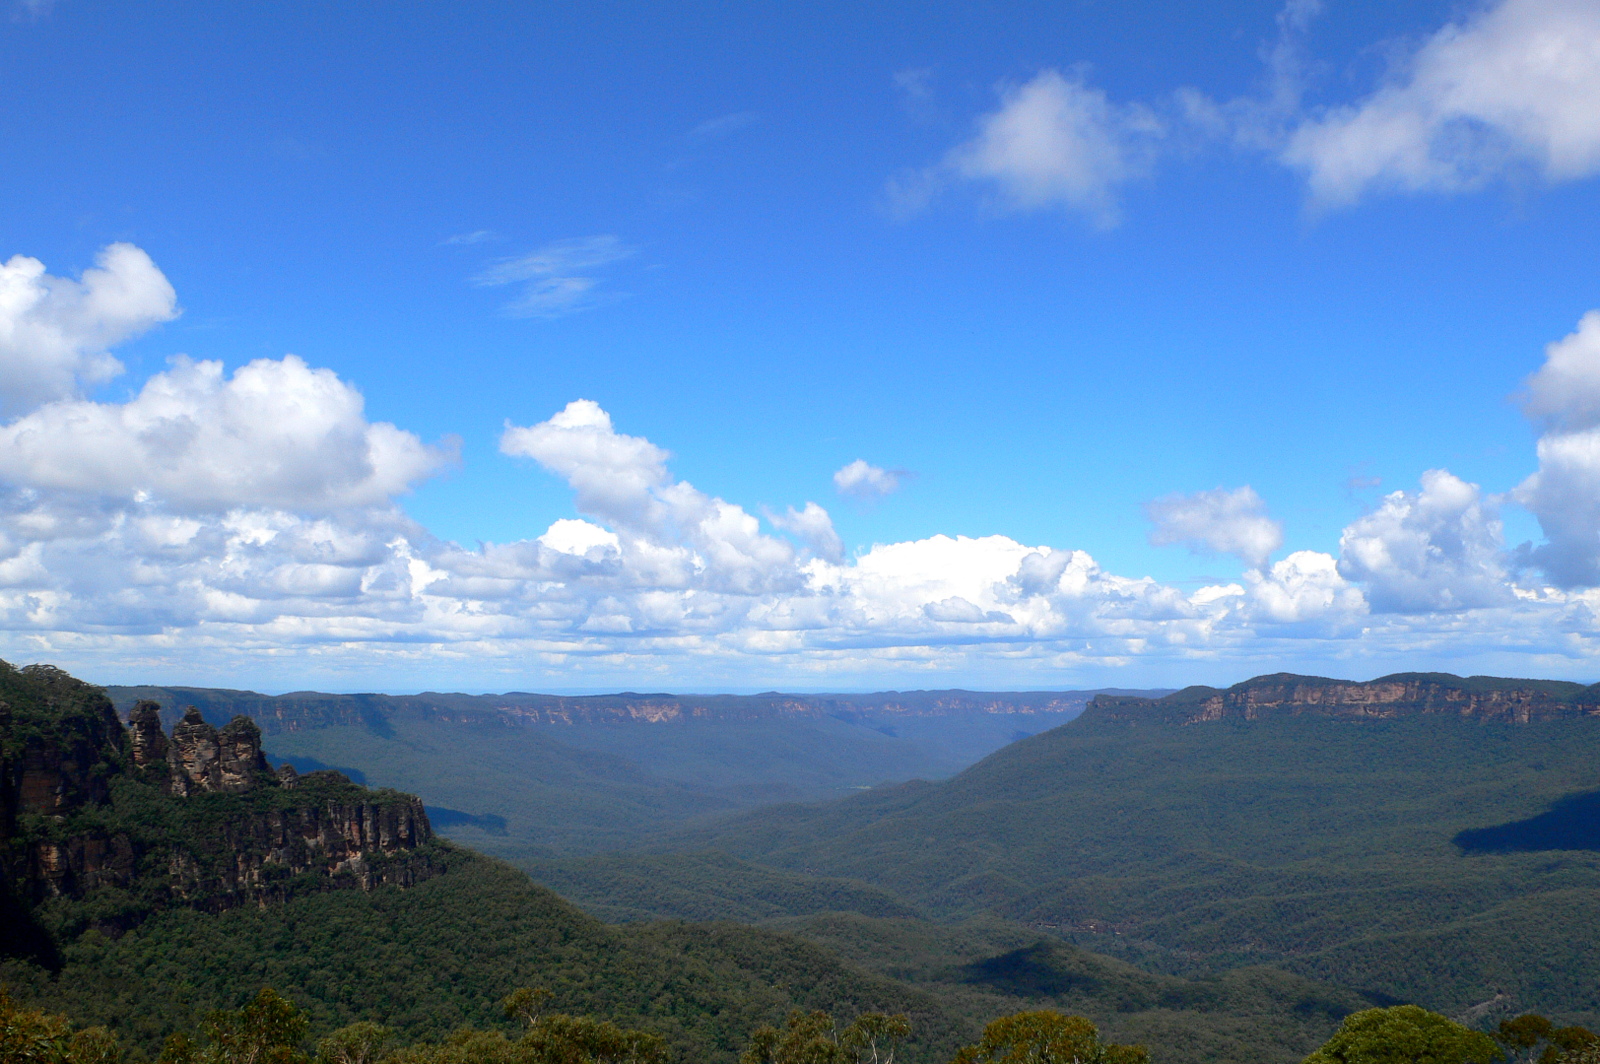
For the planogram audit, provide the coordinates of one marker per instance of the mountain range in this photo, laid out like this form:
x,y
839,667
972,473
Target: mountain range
x,y
1221,874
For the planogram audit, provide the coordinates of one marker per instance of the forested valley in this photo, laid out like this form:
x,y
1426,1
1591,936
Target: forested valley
x,y
1156,879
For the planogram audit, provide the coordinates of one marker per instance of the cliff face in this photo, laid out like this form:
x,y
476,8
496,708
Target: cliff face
x,y
54,773
1481,698
353,841
304,710
142,819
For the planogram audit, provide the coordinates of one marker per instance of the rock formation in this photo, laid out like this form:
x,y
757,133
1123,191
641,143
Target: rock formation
x,y
147,741
194,756
201,758
1480,698
350,839
259,835
240,764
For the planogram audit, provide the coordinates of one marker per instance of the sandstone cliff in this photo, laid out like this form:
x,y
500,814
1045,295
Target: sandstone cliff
x,y
1480,698
138,819
308,709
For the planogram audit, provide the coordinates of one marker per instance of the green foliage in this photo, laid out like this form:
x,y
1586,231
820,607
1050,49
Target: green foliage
x,y
525,1004
1320,846
555,1039
61,740
360,1043
582,787
441,955
703,886
94,1045
268,1030
1206,855
1047,1037
1532,1037
33,1036
814,1038
560,1039
1404,1034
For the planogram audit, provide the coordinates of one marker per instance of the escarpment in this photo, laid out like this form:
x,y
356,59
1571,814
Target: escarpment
x,y
1480,698
305,710
133,819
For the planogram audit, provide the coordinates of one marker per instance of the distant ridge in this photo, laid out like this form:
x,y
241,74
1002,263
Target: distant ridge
x,y
1403,694
310,709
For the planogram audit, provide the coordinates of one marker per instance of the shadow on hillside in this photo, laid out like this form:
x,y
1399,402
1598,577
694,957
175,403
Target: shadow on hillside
x,y
21,935
1573,823
444,819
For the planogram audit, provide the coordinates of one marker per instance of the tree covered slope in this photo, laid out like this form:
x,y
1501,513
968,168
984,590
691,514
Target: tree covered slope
x,y
427,959
354,914
1320,845
526,775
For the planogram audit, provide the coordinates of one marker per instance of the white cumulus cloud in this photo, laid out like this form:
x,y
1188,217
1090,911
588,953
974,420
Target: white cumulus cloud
x,y
1219,522
277,433
1305,586
56,333
216,523
862,480
814,527
1563,398
623,482
1055,141
1436,549
1514,86
1565,393
1564,494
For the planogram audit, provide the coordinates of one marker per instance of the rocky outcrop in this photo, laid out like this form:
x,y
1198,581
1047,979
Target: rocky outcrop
x,y
1480,698
365,843
195,756
215,826
203,759
240,763
147,742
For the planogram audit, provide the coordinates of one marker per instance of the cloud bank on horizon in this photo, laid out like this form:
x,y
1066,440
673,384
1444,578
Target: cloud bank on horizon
x,y
214,517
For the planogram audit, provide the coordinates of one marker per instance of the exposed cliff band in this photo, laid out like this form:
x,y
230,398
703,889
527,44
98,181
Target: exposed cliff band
x,y
196,817
304,710
1479,698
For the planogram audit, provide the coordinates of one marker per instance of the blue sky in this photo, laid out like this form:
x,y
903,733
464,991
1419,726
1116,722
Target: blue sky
x,y
1038,266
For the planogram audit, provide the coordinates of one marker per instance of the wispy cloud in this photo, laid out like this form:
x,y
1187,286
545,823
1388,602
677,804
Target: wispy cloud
x,y
31,10
477,236
723,125
556,279
914,86
862,480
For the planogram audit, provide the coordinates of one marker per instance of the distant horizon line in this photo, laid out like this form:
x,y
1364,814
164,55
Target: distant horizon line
x,y
600,692
595,692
